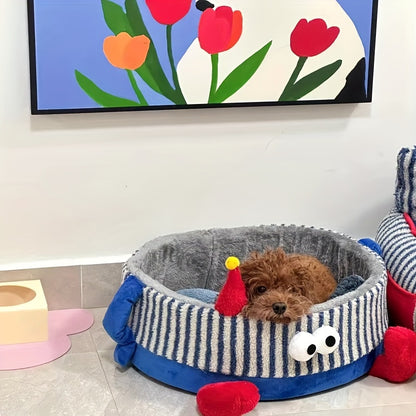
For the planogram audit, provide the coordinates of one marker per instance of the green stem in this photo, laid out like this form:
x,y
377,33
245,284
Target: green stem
x,y
214,78
172,63
136,89
285,96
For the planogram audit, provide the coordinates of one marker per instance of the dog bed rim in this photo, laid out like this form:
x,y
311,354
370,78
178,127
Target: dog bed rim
x,y
130,267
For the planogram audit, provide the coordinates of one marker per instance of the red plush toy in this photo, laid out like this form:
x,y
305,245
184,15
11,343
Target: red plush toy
x,y
232,296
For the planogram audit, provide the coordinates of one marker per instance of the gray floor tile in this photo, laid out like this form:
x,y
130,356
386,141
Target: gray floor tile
x,y
136,394
99,284
72,385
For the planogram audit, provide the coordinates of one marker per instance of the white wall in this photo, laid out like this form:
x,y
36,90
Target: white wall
x,y
93,187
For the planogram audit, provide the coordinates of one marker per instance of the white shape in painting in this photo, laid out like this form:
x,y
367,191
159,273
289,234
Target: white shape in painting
x,y
265,20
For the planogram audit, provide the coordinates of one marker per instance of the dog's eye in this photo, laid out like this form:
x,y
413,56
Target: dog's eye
x,y
261,289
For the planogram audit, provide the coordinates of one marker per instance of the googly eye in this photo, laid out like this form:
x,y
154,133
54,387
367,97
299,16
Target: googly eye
x,y
302,346
327,339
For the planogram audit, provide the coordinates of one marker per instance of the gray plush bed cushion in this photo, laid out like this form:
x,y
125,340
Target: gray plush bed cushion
x,y
196,259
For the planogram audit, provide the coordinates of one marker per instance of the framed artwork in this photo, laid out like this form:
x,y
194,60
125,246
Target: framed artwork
x,y
118,55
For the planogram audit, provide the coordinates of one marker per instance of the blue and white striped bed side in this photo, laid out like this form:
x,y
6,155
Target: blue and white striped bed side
x,y
237,346
405,193
399,249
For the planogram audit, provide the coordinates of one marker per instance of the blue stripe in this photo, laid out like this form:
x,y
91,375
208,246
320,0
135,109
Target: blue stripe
x,y
246,364
177,331
187,335
198,336
272,350
297,363
285,352
260,329
168,326
233,345
209,338
220,342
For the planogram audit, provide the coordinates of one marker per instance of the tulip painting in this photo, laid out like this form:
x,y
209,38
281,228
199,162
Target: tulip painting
x,y
309,39
161,54
219,30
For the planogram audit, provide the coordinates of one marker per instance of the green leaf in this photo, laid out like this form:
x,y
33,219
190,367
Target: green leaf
x,y
240,75
115,18
151,71
101,97
311,81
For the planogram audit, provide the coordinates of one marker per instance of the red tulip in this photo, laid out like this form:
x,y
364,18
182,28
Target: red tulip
x,y
312,38
168,12
219,29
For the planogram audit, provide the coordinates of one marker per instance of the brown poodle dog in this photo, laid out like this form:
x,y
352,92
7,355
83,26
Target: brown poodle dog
x,y
282,287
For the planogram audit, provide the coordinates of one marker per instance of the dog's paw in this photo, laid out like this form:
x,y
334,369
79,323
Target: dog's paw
x,y
232,398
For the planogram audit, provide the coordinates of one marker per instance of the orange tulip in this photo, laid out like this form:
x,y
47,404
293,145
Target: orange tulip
x,y
126,52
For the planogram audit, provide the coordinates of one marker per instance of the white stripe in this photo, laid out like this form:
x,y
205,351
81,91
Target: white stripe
x,y
265,349
226,363
239,346
192,337
290,362
156,324
360,322
354,332
325,358
204,339
213,365
337,352
252,372
172,330
278,352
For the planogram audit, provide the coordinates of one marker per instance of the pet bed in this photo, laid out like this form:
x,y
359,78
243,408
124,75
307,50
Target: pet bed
x,y
186,343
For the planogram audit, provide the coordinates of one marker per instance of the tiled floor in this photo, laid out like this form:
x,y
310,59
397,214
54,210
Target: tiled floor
x,y
87,382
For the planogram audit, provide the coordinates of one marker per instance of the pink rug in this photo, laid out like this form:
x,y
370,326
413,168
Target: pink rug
x,y
61,324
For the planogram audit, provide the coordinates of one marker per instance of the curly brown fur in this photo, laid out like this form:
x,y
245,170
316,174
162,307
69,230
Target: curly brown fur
x,y
282,287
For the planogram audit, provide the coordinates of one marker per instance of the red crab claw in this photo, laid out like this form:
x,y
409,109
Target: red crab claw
x,y
230,398
398,362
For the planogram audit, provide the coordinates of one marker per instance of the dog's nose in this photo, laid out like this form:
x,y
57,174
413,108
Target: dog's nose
x,y
279,308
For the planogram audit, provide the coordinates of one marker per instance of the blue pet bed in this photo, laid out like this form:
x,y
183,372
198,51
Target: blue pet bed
x,y
186,343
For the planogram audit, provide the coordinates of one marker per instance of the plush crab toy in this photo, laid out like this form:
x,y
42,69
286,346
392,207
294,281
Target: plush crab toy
x,y
396,363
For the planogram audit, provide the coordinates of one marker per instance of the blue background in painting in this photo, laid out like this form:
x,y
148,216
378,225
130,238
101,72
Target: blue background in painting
x,y
360,12
69,35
